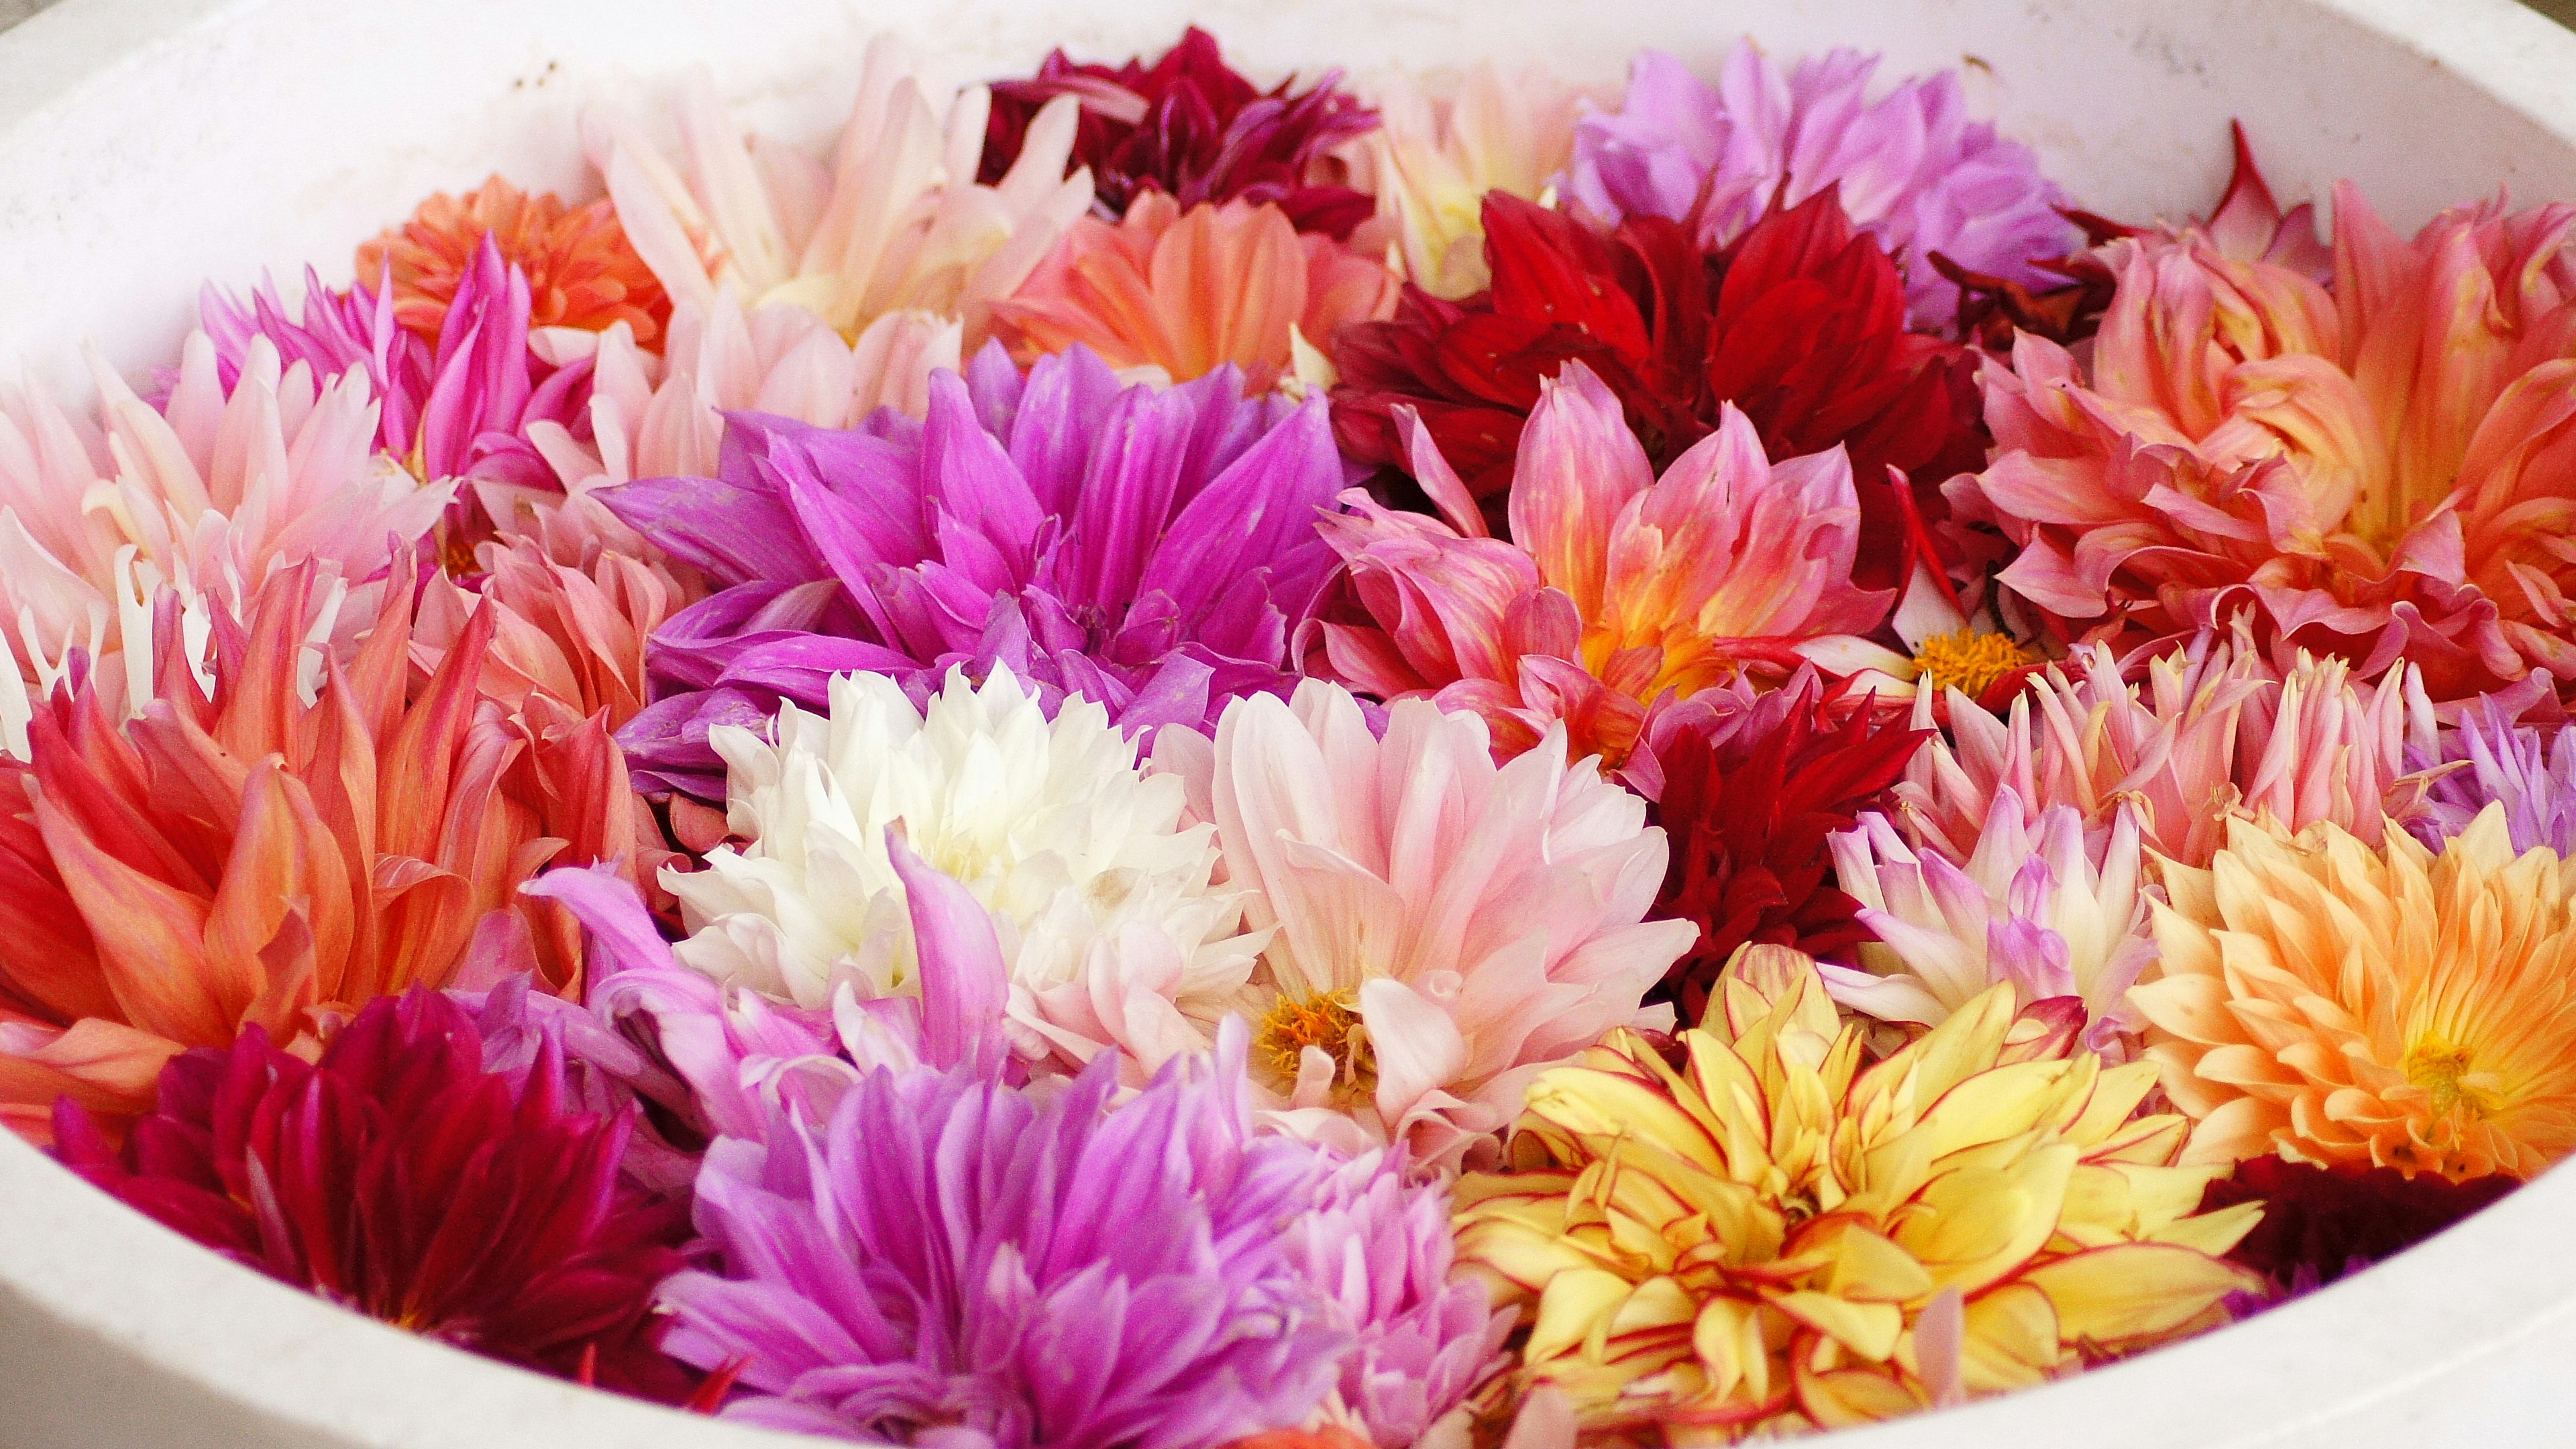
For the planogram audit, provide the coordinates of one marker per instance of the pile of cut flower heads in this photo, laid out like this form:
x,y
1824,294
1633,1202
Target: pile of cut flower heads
x,y
1133,760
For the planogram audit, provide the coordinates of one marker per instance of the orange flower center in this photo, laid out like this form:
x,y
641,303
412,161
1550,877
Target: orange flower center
x,y
1967,660
2441,1070
1329,1022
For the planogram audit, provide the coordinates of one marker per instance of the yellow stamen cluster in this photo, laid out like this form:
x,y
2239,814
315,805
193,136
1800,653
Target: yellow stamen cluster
x,y
1968,660
1330,1023
1771,1236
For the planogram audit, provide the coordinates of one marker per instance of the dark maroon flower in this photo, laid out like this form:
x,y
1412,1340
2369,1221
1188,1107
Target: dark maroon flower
x,y
399,1178
1799,323
2324,1223
1189,126
1747,787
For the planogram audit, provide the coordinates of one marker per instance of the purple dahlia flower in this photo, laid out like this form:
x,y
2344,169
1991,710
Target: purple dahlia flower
x,y
1150,549
460,409
951,1259
2531,774
1912,167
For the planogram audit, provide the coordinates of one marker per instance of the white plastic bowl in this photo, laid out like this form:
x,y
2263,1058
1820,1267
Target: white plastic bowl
x,y
146,145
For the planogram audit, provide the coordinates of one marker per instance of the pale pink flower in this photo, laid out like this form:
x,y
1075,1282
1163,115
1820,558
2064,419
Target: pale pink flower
x,y
2383,466
1441,927
1618,590
2214,730
1439,148
892,243
209,495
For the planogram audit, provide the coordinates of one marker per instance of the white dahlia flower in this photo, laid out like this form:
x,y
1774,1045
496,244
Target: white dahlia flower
x,y
1100,891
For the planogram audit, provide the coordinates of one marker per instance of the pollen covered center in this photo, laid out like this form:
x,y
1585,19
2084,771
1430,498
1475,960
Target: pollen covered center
x,y
1330,1022
2442,1070
1968,660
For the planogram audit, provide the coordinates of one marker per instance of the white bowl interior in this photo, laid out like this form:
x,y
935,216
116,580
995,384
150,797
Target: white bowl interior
x,y
148,145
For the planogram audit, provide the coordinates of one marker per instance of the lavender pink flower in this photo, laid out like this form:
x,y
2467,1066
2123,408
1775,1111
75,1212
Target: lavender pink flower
x,y
1911,166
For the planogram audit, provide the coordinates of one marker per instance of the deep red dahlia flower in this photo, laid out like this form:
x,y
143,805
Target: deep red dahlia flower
x,y
398,1178
1800,323
1189,126
1747,788
2323,1223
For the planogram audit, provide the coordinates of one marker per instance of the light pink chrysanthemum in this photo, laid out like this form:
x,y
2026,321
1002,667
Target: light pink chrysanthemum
x,y
2383,467
1441,927
1618,589
229,486
2215,729
892,243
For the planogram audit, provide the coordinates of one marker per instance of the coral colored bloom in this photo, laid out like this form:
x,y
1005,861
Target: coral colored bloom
x,y
1799,324
399,1178
240,479
1617,592
1187,127
893,243
2325,1223
1441,927
2333,1003
1150,550
581,272
1113,930
1769,1236
1911,166
2214,729
251,858
1747,788
945,1256
2374,465
2036,907
1436,153
575,635
1172,295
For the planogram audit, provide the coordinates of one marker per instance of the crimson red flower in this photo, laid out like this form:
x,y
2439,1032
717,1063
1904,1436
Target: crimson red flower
x,y
397,1177
1800,323
2324,1223
1747,787
1189,126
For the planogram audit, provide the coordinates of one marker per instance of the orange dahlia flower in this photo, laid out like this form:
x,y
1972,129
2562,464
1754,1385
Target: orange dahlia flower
x,y
1185,293
2385,465
2332,1003
248,857
581,271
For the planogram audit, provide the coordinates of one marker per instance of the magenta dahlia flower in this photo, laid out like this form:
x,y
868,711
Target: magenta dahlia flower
x,y
948,1257
1911,166
1149,549
459,408
400,1178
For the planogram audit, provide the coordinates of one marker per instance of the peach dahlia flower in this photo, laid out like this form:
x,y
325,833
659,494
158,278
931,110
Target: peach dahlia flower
x,y
1170,295
2385,465
2333,1003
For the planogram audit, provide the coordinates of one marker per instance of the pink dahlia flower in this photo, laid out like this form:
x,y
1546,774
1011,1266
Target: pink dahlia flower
x,y
2382,466
1912,168
1443,927
1617,591
2212,730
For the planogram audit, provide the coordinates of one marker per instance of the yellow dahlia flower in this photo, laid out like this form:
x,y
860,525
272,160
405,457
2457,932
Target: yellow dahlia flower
x,y
1772,1236
2332,1002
